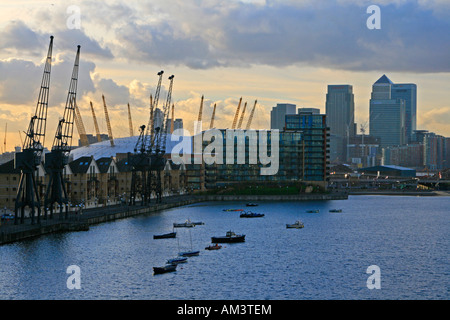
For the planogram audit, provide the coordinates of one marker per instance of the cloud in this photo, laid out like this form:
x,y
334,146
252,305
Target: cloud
x,y
18,37
208,34
330,34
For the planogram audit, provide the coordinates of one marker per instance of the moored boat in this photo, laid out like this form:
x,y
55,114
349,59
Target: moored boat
x,y
335,210
187,224
230,237
313,211
189,253
164,269
251,204
296,225
251,215
213,247
177,260
165,235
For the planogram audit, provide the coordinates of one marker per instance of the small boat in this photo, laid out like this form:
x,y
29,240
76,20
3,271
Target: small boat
x,y
233,209
230,237
335,210
251,204
177,260
165,236
251,215
213,247
186,224
189,253
312,211
296,225
166,268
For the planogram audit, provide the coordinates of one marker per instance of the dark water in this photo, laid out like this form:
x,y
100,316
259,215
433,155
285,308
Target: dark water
x,y
406,237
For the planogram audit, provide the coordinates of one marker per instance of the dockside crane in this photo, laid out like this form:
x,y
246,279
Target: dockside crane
x,y
250,118
80,127
158,161
172,119
150,136
108,123
97,130
30,157
140,159
236,115
211,124
58,158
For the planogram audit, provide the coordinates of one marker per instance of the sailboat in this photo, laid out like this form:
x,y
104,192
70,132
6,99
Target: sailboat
x,y
191,252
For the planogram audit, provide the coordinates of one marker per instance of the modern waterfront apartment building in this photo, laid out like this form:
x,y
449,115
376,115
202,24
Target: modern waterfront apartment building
x,y
315,144
302,154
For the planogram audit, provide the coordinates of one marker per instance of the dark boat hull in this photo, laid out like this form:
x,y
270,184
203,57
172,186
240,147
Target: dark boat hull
x,y
168,268
165,236
225,239
255,215
189,253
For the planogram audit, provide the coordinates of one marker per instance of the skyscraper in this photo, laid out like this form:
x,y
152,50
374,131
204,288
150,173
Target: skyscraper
x,y
407,92
387,115
278,115
340,111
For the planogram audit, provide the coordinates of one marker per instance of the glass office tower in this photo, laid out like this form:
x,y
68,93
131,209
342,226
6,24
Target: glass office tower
x,y
387,115
408,93
340,112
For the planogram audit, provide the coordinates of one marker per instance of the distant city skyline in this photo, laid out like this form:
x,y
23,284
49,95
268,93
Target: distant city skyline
x,y
271,53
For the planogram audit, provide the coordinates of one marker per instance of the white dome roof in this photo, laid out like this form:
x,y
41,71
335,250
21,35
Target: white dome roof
x,y
121,145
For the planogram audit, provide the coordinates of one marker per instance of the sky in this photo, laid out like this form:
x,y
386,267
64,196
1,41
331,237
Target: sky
x,y
272,51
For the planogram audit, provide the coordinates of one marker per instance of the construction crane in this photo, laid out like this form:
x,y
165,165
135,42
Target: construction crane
x,y
30,157
242,116
58,157
250,118
199,119
80,127
21,140
97,130
236,114
108,123
130,122
211,124
4,141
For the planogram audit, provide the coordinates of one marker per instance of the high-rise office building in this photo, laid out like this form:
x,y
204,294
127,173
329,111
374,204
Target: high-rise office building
x,y
387,115
407,92
340,112
278,114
